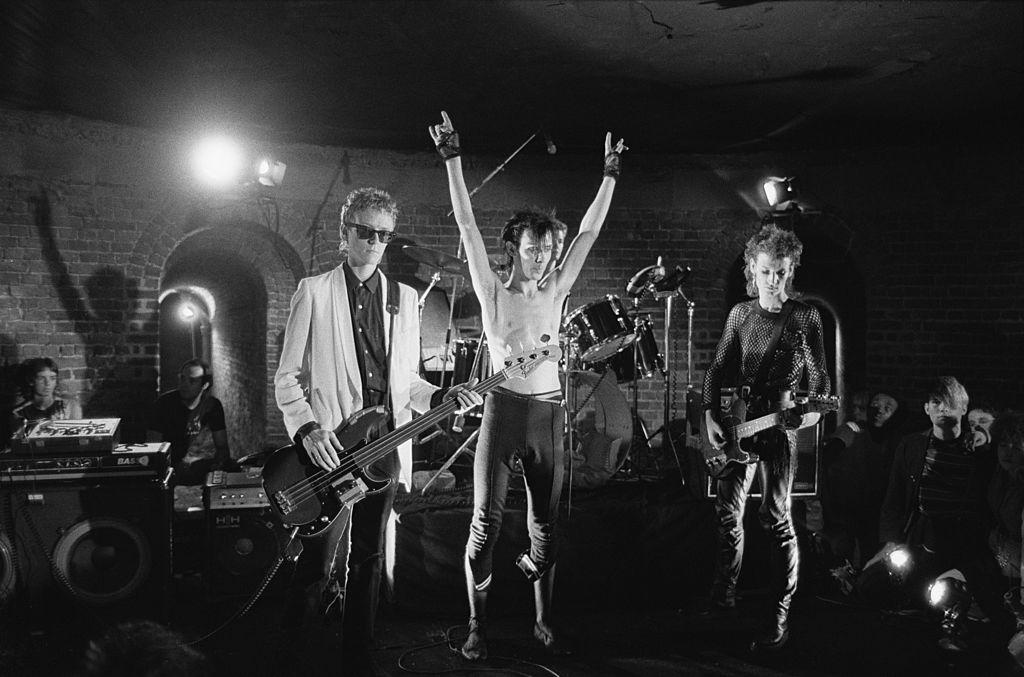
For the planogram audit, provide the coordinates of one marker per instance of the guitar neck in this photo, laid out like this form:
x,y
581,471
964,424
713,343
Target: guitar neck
x,y
744,430
380,447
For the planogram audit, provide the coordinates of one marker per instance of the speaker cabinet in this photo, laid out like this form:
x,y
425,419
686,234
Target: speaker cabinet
x,y
242,544
82,554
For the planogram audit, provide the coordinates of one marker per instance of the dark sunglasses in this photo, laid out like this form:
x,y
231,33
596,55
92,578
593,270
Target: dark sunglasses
x,y
367,233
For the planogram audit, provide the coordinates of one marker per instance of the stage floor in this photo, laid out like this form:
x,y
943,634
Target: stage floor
x,y
636,557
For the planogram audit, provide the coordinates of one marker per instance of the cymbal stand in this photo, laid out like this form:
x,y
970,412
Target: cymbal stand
x,y
666,435
569,398
638,428
434,279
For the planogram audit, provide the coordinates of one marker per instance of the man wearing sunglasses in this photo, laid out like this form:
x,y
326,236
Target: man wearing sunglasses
x,y
524,418
352,341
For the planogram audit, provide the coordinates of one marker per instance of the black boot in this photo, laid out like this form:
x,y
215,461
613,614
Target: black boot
x,y
775,637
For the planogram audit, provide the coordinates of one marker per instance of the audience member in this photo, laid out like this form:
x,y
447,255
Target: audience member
x,y
192,420
39,398
936,503
857,459
142,649
1006,491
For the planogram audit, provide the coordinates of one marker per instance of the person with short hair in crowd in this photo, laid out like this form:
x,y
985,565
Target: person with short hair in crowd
x,y
191,419
936,504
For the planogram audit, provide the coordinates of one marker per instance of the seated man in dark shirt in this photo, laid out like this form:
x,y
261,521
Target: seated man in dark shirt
x,y
936,503
192,420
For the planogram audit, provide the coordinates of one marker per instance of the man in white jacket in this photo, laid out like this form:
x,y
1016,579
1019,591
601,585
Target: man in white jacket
x,y
352,341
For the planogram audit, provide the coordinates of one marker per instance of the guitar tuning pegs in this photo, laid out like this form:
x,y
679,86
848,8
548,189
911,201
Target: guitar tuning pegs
x,y
544,338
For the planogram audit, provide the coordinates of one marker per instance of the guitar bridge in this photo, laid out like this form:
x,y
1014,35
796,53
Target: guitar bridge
x,y
284,505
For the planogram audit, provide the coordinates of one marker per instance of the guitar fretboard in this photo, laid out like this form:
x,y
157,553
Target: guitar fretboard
x,y
757,425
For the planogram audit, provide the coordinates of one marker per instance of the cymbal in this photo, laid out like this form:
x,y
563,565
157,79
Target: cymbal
x,y
447,264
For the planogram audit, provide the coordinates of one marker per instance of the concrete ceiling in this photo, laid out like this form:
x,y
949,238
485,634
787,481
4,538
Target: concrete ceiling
x,y
708,76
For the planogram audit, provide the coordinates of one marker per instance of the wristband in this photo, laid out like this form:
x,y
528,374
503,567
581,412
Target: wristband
x,y
305,430
613,164
448,145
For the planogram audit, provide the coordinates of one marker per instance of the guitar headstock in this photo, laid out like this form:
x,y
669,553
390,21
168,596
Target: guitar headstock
x,y
818,403
523,364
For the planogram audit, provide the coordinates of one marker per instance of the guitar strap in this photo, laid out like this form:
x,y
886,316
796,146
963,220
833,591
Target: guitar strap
x,y
394,301
780,324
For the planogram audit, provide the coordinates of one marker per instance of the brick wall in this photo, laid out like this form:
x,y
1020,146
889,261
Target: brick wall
x,y
923,264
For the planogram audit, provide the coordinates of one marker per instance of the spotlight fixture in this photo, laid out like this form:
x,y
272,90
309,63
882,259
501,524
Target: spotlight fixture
x,y
780,193
949,593
270,172
899,560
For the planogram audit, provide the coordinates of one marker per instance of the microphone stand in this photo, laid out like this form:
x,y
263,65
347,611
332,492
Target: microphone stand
x,y
666,436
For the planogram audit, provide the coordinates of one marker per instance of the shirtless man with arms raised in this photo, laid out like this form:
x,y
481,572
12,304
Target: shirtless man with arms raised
x,y
525,418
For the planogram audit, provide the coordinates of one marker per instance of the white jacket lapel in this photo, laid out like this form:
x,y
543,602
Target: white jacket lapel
x,y
343,334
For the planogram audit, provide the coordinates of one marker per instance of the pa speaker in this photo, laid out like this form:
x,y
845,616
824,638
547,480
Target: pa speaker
x,y
87,554
242,544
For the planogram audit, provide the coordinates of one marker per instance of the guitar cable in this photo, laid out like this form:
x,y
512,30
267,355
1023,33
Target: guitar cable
x,y
245,608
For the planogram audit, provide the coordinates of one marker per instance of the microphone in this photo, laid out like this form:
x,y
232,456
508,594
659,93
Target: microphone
x,y
548,142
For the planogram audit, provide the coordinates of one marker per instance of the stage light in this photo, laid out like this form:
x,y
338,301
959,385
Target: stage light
x,y
779,192
949,593
270,172
218,162
899,560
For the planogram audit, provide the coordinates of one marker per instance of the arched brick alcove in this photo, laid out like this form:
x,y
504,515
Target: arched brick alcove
x,y
250,273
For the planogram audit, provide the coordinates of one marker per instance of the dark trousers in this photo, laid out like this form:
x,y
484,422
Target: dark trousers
x,y
778,449
514,425
337,578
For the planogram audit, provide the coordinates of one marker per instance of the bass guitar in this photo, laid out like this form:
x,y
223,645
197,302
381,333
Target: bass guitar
x,y
309,498
736,429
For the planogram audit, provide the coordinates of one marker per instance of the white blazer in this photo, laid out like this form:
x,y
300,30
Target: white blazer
x,y
318,376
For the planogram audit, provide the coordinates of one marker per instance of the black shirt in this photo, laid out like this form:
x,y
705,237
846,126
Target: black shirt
x,y
179,425
366,305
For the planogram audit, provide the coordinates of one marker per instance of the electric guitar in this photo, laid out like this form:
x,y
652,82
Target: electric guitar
x,y
736,428
307,497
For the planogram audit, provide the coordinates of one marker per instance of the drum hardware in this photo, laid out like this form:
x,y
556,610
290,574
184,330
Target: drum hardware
x,y
478,370
662,286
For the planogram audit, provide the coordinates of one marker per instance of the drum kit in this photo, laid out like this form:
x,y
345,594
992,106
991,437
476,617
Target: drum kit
x,y
606,343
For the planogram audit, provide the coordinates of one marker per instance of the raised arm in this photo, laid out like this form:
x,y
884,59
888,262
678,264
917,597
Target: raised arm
x,y
590,227
446,140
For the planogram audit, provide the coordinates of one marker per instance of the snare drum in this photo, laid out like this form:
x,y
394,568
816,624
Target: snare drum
x,y
642,360
599,329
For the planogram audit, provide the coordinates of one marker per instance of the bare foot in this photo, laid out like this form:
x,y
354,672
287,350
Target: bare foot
x,y
475,646
552,640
